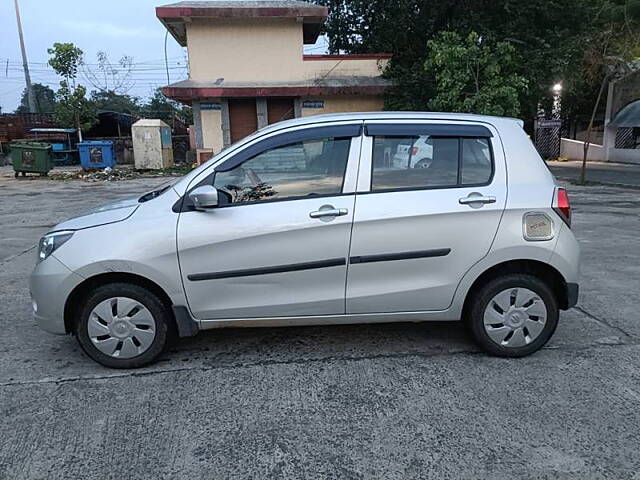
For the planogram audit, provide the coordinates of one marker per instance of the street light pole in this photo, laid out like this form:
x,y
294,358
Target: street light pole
x,y
25,64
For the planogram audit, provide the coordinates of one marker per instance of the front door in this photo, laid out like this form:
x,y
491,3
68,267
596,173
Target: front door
x,y
279,245
430,199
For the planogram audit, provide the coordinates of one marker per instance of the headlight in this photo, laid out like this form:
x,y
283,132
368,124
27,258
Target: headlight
x,y
51,242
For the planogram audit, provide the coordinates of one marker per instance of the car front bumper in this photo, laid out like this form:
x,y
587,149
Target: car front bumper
x,y
50,284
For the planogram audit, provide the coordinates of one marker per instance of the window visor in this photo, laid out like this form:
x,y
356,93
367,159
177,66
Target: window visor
x,y
438,130
287,138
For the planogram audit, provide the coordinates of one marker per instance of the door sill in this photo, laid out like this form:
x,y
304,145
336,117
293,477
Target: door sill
x,y
396,317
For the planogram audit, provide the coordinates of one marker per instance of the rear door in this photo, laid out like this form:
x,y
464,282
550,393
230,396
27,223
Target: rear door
x,y
420,224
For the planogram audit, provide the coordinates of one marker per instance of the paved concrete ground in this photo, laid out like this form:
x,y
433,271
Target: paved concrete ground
x,y
371,401
599,172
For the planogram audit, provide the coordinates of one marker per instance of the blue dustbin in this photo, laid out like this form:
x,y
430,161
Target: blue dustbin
x,y
96,154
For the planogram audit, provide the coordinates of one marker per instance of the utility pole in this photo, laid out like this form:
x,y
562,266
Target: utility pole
x,y
25,64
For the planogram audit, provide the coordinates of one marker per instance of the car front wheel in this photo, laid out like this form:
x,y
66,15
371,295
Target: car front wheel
x,y
513,316
123,325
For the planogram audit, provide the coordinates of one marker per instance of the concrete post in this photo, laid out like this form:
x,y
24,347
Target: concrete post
x,y
25,64
297,107
226,123
263,113
197,123
609,134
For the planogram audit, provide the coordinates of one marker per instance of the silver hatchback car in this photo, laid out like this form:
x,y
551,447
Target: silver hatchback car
x,y
315,221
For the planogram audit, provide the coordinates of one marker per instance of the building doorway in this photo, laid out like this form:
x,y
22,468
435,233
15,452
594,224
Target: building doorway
x,y
279,109
243,118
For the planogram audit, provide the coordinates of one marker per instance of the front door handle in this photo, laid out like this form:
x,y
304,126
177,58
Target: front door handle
x,y
477,199
329,211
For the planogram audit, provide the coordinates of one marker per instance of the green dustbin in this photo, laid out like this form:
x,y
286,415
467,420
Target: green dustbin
x,y
31,157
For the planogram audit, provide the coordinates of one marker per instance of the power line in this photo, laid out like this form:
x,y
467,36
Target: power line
x,y
159,62
142,69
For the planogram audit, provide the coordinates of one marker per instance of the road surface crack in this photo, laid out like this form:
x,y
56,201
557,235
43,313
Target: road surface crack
x,y
209,366
13,257
604,322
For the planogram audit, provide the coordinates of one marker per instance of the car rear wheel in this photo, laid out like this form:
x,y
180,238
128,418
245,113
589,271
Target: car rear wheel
x,y
123,325
513,316
423,163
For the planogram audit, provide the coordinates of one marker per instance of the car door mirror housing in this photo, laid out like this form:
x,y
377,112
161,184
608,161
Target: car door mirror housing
x,y
204,197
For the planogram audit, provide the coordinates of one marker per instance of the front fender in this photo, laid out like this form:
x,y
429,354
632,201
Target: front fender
x,y
169,281
143,245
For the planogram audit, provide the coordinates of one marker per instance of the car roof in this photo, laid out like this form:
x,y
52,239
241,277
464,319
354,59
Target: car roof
x,y
364,116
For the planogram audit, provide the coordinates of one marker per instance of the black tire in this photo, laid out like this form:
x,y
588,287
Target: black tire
x,y
161,316
481,298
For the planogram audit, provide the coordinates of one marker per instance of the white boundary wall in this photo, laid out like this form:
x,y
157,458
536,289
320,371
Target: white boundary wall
x,y
574,150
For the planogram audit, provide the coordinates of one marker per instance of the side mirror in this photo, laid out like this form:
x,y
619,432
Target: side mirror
x,y
204,197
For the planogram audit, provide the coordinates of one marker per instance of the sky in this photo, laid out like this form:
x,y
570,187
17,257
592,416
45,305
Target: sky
x,y
117,27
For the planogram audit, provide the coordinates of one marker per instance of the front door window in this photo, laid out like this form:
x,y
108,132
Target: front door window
x,y
305,169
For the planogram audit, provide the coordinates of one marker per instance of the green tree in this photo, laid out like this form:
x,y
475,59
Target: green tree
x,y
159,106
609,55
72,105
45,99
549,40
114,102
473,75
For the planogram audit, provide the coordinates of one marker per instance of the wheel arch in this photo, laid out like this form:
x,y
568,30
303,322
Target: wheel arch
x,y
547,273
82,289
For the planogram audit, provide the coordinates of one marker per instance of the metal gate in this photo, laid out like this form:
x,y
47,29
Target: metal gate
x,y
628,138
180,147
547,138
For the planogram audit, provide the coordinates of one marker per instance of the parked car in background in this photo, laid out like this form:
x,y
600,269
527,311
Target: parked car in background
x,y
414,153
324,220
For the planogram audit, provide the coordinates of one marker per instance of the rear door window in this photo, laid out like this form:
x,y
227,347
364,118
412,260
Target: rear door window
x,y
476,165
408,162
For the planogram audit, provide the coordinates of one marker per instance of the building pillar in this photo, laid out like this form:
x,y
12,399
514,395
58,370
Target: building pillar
x,y
297,107
197,124
263,113
609,142
226,123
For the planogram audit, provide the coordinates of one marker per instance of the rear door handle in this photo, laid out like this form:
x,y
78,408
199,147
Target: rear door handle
x,y
329,211
477,198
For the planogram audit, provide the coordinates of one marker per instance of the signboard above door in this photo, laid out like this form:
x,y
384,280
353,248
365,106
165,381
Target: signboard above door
x,y
313,104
